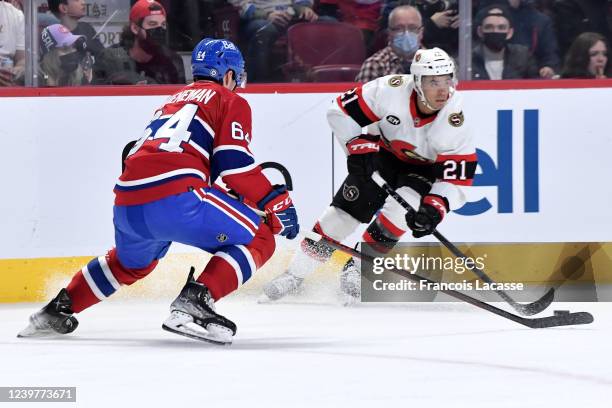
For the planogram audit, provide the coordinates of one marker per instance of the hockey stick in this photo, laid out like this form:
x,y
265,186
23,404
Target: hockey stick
x,y
560,318
283,171
125,152
528,309
286,176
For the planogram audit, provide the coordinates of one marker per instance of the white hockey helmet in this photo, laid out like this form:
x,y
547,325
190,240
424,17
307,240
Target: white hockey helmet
x,y
433,61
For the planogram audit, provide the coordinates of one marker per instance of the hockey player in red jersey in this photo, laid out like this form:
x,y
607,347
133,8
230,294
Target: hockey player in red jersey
x,y
417,140
166,194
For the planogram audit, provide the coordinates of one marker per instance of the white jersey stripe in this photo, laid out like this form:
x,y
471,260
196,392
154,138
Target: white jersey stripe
x,y
233,147
152,179
92,285
205,125
221,203
233,264
199,194
249,258
108,273
199,149
238,170
220,208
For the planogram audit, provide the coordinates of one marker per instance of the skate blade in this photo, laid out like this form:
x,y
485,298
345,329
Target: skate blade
x,y
272,293
32,332
264,299
348,300
182,324
350,294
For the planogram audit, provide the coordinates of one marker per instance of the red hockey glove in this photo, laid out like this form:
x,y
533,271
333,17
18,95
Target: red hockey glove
x,y
280,212
431,212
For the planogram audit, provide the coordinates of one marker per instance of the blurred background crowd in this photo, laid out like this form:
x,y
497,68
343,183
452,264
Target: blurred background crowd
x,y
123,42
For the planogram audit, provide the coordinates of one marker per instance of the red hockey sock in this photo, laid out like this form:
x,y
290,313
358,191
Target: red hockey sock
x,y
80,293
233,265
100,278
219,276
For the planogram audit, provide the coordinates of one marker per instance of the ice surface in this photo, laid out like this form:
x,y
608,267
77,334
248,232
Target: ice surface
x,y
298,353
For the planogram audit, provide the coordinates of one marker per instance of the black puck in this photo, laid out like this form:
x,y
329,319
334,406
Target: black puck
x,y
561,312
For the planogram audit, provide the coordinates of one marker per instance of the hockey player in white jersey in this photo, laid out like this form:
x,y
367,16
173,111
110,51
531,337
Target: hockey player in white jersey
x,y
412,130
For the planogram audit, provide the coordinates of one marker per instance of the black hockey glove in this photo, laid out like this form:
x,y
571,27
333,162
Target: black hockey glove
x,y
361,165
431,212
362,154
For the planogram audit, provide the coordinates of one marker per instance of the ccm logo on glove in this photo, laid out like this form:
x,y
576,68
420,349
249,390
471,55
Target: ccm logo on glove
x,y
280,212
282,204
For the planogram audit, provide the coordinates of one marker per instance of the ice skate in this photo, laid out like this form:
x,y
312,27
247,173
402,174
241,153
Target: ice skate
x,y
305,261
350,280
192,314
53,319
282,285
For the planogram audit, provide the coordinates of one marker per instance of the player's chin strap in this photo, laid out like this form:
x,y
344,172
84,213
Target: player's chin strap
x,y
423,100
528,309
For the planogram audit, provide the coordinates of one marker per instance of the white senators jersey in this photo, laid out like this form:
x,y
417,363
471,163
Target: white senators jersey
x,y
387,107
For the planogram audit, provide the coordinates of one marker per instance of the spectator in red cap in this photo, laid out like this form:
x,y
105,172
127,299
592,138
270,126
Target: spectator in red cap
x,y
65,60
145,40
69,12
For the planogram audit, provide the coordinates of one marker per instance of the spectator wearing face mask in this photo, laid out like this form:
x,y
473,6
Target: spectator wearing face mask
x,y
69,12
144,42
535,31
65,60
440,22
494,57
405,35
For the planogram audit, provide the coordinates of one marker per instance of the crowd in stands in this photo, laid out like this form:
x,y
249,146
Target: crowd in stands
x,y
306,40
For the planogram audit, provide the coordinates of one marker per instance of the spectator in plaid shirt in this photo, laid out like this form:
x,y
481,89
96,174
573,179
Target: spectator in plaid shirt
x,y
405,35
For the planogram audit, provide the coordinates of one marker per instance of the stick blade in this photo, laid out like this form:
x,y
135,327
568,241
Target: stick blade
x,y
566,319
538,306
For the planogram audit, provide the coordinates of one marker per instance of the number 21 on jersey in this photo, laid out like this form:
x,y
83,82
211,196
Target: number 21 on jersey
x,y
454,170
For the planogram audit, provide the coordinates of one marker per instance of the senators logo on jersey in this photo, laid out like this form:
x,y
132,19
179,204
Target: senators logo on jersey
x,y
395,81
350,193
455,119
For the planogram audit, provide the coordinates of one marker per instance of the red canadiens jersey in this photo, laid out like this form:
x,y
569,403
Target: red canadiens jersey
x,y
202,133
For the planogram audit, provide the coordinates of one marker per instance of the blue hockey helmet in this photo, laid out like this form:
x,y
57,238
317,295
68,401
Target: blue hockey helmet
x,y
213,58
